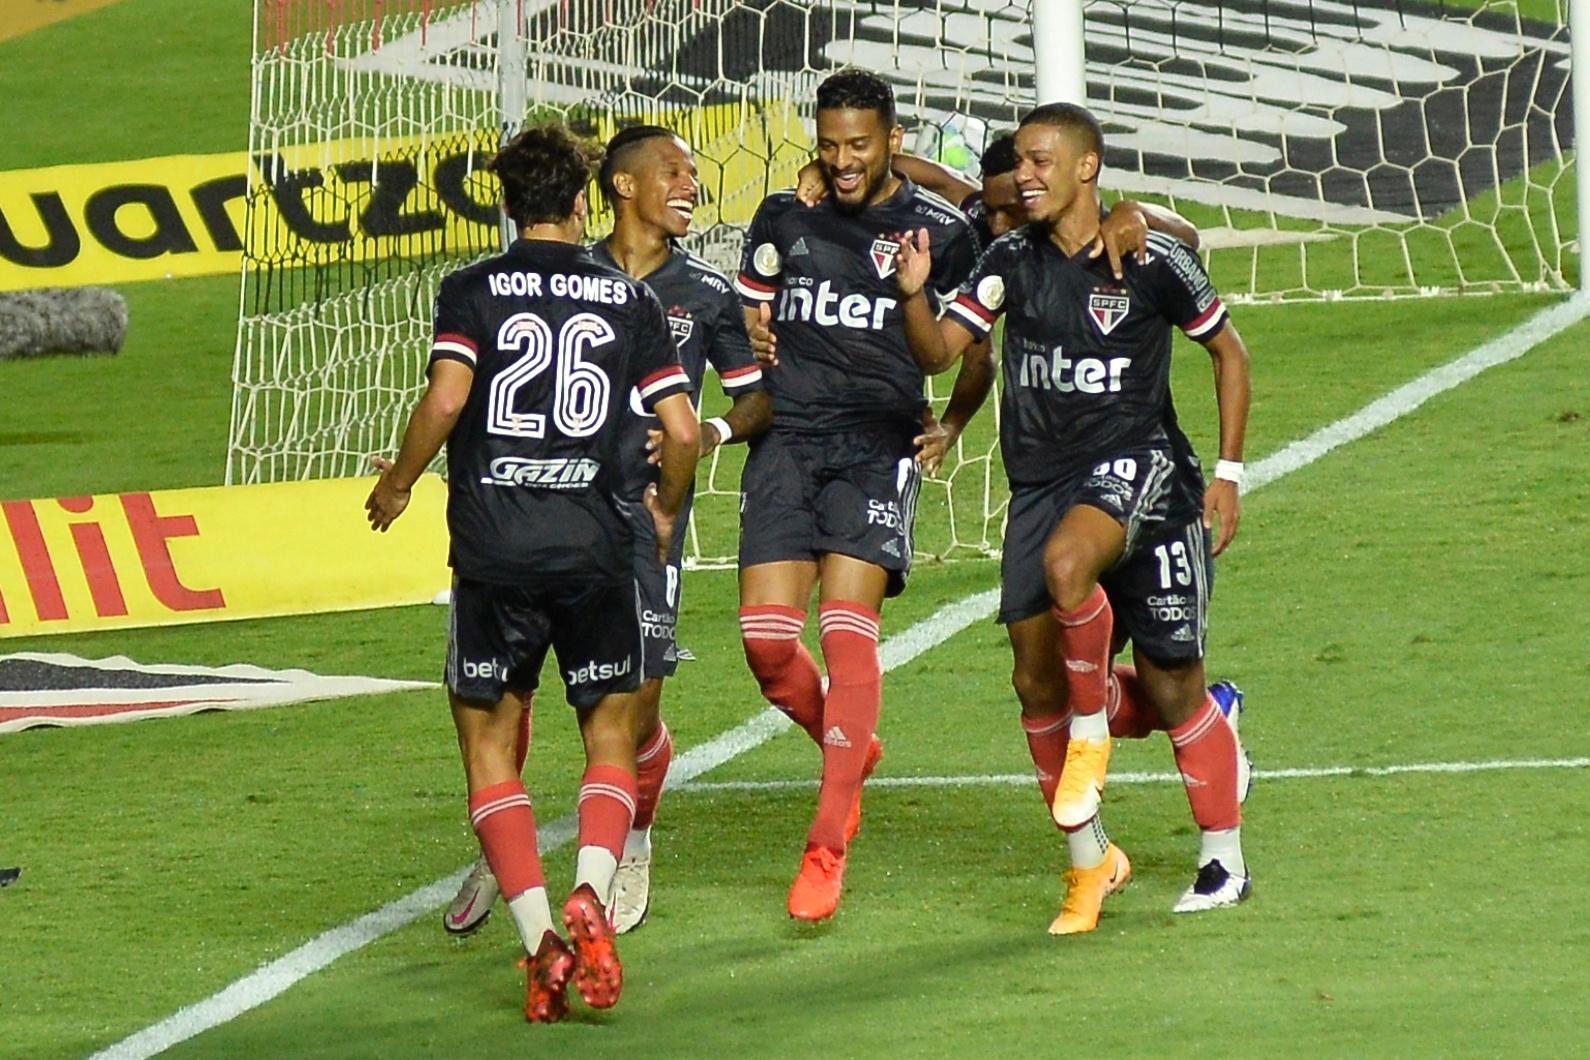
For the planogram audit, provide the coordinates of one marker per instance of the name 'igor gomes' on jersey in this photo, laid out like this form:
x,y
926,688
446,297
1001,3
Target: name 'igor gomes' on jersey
x,y
829,277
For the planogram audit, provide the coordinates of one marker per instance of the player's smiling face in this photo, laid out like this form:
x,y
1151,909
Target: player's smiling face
x,y
666,188
1051,171
856,149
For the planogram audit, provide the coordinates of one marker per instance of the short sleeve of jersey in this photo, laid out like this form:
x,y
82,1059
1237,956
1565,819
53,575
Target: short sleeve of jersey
x,y
762,264
658,372
1187,297
954,264
452,336
981,300
730,353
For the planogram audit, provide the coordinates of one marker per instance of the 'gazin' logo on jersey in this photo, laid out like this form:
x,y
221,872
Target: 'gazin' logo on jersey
x,y
681,323
883,252
1108,310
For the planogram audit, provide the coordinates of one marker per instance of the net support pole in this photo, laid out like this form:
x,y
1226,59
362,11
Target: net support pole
x,y
512,86
1579,70
1058,60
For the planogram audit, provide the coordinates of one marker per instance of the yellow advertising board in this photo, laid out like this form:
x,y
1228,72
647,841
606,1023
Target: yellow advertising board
x,y
117,561
340,203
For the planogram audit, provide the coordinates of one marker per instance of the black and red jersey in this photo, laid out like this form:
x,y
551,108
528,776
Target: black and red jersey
x,y
535,462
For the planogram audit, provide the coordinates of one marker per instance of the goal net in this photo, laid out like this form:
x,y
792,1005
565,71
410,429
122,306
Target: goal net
x,y
1327,150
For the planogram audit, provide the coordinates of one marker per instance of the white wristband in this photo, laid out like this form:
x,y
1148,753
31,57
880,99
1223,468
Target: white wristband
x,y
721,425
1230,470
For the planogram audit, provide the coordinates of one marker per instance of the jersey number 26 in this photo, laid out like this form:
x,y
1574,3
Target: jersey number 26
x,y
581,389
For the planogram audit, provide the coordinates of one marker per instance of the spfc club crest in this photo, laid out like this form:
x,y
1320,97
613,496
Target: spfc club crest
x,y
883,252
1108,310
682,324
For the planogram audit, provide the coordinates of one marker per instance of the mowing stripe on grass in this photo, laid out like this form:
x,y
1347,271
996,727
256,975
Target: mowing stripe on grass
x,y
267,982
993,780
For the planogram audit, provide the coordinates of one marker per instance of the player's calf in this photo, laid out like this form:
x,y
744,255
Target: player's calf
x,y
783,668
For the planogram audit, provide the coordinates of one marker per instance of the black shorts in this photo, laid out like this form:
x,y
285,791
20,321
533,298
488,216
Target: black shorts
x,y
1160,593
1136,487
498,636
658,587
852,493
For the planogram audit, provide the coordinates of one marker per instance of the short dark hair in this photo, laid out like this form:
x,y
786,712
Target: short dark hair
x,y
543,170
619,150
999,157
857,90
1075,120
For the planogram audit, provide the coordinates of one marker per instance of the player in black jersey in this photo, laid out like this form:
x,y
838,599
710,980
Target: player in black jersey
x,y
1108,510
535,355
648,178
828,494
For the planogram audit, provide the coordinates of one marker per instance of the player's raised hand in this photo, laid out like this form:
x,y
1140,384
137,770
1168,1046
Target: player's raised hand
x,y
763,342
934,441
1124,231
811,187
661,521
1222,504
912,262
386,502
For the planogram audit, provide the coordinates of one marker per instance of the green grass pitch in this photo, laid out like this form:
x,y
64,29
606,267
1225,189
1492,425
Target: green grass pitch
x,y
1417,596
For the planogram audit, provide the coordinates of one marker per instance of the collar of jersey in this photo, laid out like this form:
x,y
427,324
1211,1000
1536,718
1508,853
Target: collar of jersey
x,y
522,247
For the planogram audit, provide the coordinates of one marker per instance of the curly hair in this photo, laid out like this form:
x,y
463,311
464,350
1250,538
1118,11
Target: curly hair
x,y
999,157
853,89
542,171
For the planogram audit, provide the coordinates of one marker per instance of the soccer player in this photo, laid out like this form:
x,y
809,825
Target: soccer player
x,y
535,355
829,493
1105,495
648,177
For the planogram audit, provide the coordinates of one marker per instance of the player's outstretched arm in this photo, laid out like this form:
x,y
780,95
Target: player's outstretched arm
x,y
935,344
681,449
811,187
429,425
972,384
1125,231
1233,393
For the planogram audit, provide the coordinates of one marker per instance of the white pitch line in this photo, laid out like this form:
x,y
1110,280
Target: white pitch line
x,y
272,979
993,780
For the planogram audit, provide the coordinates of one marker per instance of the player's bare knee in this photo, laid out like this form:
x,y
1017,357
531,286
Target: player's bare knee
x,y
1071,579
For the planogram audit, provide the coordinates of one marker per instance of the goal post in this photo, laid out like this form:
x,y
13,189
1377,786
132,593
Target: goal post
x,y
1327,150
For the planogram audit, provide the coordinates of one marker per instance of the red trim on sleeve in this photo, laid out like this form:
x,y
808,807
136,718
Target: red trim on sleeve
x,y
975,306
757,285
462,340
1205,318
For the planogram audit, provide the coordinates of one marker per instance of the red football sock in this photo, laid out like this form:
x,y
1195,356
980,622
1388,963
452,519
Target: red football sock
x,y
783,667
1132,714
651,765
1047,739
1085,646
506,826
1206,754
521,744
850,714
607,808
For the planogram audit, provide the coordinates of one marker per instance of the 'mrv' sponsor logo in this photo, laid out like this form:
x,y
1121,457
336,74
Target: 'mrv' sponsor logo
x,y
559,473
597,672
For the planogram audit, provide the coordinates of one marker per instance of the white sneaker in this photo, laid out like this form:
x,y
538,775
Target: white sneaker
x,y
472,904
631,894
1214,888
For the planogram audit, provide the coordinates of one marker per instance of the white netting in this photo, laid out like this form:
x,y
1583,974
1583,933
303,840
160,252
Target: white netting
x,y
1327,150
